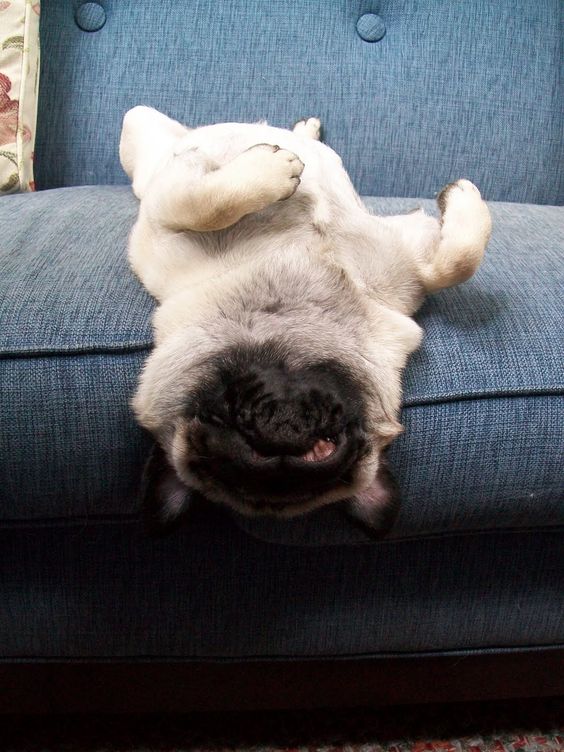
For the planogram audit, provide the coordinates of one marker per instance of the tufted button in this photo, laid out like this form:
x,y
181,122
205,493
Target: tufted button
x,y
370,27
90,16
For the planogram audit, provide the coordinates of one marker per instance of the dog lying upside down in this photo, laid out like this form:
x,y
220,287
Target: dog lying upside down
x,y
284,314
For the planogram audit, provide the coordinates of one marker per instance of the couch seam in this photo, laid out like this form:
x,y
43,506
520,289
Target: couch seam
x,y
446,397
83,522
107,349
284,658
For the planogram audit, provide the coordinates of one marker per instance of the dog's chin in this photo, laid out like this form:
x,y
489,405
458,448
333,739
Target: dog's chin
x,y
284,487
373,507
169,492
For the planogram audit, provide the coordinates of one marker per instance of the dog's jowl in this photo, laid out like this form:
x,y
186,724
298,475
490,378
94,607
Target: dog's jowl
x,y
284,318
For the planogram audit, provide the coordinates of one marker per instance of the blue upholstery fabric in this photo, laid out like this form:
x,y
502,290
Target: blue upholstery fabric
x,y
412,94
106,590
483,440
66,284
470,89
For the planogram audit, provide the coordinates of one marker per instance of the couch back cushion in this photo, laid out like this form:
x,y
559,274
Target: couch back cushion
x,y
412,93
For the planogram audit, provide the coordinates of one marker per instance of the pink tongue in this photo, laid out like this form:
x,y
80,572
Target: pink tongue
x,y
320,451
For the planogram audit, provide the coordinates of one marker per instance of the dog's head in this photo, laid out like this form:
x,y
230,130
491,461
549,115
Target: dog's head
x,y
275,394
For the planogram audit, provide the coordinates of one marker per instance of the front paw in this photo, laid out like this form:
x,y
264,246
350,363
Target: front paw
x,y
276,171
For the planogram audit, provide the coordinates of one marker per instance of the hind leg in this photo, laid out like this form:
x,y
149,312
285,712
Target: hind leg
x,y
308,127
147,140
446,251
465,228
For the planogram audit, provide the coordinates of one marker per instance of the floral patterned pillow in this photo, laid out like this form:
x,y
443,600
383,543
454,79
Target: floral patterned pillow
x,y
19,72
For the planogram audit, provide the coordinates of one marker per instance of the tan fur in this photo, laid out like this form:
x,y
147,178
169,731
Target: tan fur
x,y
233,216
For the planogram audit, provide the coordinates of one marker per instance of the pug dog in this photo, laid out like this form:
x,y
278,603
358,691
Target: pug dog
x,y
284,317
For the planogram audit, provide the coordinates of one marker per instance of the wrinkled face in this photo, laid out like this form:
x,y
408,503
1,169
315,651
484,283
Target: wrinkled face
x,y
291,414
263,437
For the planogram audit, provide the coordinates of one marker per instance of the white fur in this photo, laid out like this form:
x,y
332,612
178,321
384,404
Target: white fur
x,y
233,211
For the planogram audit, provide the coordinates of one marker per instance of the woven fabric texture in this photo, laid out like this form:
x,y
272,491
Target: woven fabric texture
x,y
483,428
108,590
450,90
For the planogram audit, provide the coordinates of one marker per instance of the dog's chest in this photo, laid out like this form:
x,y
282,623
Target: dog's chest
x,y
284,225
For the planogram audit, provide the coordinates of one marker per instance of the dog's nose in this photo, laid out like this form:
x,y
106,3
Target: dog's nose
x,y
276,434
280,413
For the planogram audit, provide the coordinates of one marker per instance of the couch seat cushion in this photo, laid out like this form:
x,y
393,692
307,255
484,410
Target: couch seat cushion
x,y
483,441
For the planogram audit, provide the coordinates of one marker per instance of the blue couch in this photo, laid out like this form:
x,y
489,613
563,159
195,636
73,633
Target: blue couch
x,y
412,94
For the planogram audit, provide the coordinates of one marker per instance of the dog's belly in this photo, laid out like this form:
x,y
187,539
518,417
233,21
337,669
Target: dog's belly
x,y
324,179
324,216
193,259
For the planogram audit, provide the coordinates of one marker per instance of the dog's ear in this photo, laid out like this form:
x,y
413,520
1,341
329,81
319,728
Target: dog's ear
x,y
376,508
166,500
